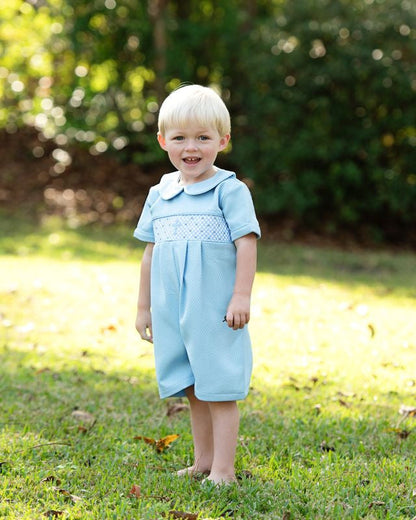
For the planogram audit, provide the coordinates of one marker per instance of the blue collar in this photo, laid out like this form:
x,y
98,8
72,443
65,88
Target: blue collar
x,y
170,187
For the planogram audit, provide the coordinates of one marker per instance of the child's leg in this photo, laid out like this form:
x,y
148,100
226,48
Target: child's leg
x,y
225,422
201,433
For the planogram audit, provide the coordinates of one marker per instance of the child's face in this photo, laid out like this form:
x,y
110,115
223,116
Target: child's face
x,y
193,150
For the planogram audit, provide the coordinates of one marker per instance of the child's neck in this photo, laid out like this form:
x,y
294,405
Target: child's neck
x,y
183,182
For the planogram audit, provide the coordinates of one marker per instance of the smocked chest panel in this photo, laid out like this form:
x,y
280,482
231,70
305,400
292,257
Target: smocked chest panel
x,y
211,228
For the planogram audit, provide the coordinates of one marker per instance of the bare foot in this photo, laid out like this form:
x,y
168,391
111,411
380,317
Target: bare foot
x,y
220,480
192,471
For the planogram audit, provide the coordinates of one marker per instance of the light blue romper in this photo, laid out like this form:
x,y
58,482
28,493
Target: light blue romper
x,y
192,280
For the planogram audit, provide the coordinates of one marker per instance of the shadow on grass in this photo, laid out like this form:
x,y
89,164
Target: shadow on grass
x,y
291,459
42,399
122,404
72,430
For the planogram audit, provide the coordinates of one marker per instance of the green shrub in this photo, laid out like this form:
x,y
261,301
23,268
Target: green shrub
x,y
322,93
329,127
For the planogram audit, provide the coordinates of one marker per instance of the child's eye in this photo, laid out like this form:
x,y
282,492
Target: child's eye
x,y
203,138
178,138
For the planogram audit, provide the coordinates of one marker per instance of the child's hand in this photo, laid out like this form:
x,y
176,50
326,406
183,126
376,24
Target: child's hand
x,y
144,325
238,312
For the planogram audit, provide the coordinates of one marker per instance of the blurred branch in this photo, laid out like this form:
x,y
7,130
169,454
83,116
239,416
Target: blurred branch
x,y
156,9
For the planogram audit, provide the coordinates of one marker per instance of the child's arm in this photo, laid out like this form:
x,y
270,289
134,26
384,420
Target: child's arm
x,y
144,316
238,312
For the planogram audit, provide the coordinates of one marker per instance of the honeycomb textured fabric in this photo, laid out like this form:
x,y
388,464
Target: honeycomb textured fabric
x,y
191,227
192,280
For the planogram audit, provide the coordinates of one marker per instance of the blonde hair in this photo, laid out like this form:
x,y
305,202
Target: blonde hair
x,y
194,103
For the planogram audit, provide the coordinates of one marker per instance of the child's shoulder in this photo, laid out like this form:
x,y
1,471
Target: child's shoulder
x,y
232,184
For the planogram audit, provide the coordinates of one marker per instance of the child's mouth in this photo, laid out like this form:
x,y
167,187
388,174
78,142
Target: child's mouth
x,y
191,160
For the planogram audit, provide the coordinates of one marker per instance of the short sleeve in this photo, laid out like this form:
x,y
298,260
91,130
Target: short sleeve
x,y
238,209
144,228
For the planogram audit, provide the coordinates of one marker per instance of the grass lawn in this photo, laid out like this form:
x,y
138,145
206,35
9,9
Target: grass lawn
x,y
322,434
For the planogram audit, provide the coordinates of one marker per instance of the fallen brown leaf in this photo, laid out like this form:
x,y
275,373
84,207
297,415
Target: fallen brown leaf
x,y
376,503
82,416
175,408
87,419
111,327
42,370
135,491
52,513
325,447
372,330
344,403
183,515
52,478
160,445
407,411
346,394
402,434
68,495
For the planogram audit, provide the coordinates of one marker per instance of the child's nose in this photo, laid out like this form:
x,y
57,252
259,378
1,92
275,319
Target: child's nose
x,y
191,144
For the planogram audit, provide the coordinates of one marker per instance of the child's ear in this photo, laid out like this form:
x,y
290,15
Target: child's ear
x,y
224,142
161,140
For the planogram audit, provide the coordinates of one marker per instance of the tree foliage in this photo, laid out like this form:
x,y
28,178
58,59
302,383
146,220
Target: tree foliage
x,y
322,93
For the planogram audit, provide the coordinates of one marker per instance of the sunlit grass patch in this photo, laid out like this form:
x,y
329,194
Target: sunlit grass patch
x,y
322,436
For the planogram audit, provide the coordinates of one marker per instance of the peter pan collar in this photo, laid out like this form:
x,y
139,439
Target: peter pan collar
x,y
170,187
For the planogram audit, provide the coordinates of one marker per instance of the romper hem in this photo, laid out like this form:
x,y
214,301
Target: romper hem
x,y
213,398
176,391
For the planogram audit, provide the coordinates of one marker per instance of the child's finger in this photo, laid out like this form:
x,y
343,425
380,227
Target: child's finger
x,y
241,321
233,321
236,321
146,334
229,318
